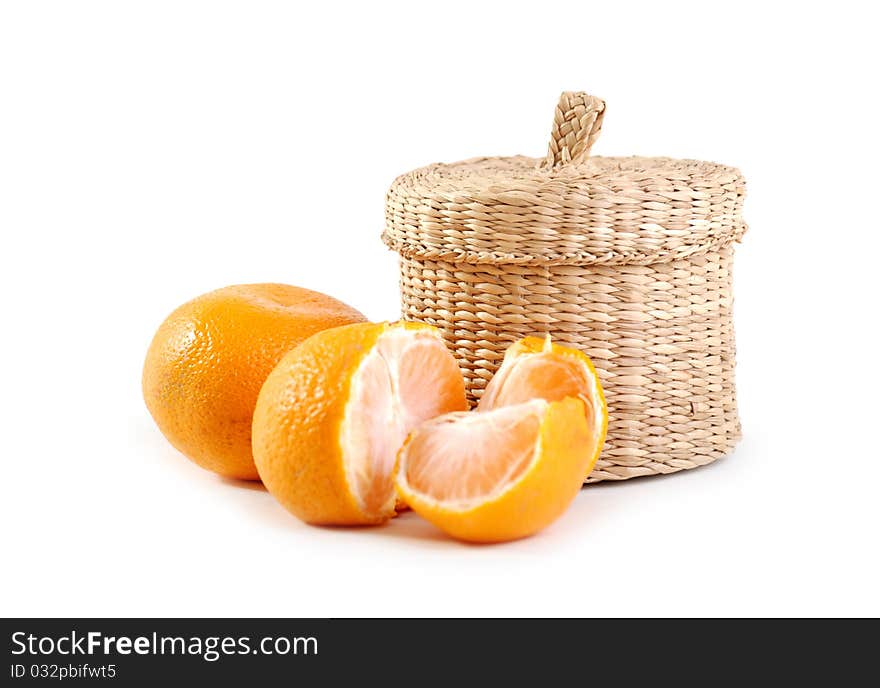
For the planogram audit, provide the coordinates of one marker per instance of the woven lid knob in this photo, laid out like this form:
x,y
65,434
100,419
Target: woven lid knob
x,y
576,126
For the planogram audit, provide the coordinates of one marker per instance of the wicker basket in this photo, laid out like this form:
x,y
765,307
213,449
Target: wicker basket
x,y
628,259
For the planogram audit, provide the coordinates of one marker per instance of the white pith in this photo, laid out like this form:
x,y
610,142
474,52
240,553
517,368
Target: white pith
x,y
371,433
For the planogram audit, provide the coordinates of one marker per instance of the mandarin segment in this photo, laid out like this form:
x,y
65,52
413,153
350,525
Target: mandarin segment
x,y
535,368
498,475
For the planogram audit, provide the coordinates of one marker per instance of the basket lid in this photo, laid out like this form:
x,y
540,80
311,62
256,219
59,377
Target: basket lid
x,y
567,207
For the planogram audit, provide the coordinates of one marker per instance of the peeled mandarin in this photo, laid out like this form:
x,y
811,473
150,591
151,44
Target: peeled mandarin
x,y
332,415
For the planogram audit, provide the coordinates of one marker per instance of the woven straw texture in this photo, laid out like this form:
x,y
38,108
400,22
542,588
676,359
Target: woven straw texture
x,y
628,259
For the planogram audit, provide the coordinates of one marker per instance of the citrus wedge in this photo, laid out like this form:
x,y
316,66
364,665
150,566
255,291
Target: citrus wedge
x,y
332,415
535,368
498,475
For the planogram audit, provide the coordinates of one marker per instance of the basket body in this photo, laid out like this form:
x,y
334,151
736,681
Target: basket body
x,y
627,259
660,336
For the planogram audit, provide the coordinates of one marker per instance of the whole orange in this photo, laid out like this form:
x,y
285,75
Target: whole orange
x,y
209,359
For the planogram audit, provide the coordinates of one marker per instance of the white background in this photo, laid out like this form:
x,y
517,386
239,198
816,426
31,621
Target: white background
x,y
150,152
